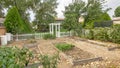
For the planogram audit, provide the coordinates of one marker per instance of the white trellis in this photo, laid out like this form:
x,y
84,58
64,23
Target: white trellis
x,y
55,28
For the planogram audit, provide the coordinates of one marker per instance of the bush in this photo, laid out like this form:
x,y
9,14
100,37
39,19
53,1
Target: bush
x,y
115,34
111,34
64,46
101,34
13,57
49,36
89,34
49,61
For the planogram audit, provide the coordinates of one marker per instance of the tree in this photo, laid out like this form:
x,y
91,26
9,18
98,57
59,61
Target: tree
x,y
14,23
94,13
22,5
72,14
117,11
44,13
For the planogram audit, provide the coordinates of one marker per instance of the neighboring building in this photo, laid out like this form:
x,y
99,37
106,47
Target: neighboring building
x,y
59,20
2,28
116,20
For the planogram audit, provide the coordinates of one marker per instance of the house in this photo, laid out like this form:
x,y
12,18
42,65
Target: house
x,y
2,28
116,20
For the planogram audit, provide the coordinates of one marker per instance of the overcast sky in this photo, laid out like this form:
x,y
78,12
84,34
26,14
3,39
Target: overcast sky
x,y
113,4
62,3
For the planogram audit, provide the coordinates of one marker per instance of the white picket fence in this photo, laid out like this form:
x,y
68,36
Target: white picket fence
x,y
66,34
9,37
37,35
29,36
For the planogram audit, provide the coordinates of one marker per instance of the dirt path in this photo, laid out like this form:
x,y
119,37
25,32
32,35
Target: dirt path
x,y
95,49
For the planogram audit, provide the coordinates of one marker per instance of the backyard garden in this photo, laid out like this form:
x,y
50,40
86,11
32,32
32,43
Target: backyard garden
x,y
45,43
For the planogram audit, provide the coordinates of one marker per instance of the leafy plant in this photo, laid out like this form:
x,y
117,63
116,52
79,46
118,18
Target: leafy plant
x,y
64,46
13,57
49,61
49,36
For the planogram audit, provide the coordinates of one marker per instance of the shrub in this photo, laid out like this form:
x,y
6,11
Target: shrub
x,y
101,34
49,36
13,57
64,46
89,34
115,34
49,61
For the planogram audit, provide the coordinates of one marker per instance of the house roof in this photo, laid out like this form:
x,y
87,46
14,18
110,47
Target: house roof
x,y
59,19
116,19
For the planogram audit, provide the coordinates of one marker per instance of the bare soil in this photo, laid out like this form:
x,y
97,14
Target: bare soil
x,y
82,50
78,54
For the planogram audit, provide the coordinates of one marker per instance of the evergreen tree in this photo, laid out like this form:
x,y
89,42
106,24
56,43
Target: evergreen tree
x,y
14,23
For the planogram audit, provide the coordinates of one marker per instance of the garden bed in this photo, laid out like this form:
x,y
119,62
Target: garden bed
x,y
76,56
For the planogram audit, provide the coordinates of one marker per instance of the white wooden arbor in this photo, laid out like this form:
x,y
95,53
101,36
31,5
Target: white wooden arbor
x,y
55,29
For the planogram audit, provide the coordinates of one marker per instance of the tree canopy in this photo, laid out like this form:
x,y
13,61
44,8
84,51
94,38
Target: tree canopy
x,y
117,11
44,13
95,13
72,14
91,11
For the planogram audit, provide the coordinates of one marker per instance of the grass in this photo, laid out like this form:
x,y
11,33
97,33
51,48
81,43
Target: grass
x,y
64,46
